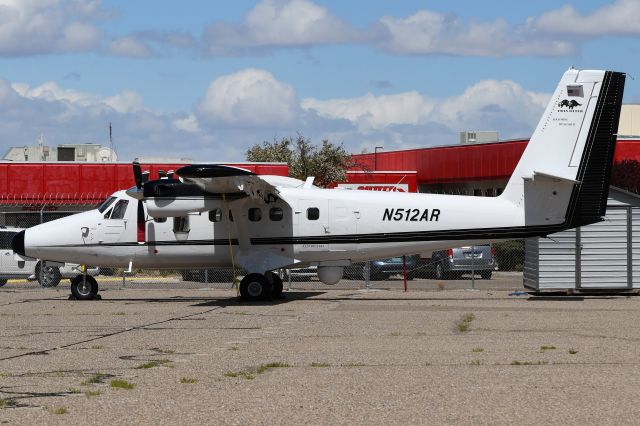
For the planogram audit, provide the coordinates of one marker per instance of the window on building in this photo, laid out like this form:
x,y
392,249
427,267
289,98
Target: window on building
x,y
499,191
255,214
477,192
276,214
120,209
313,213
215,215
488,192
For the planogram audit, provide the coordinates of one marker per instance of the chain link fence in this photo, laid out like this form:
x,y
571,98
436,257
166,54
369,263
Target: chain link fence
x,y
484,266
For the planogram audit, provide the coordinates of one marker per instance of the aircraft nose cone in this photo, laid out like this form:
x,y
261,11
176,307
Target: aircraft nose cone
x,y
17,243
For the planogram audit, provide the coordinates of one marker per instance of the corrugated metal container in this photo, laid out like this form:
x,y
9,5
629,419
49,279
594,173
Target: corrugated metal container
x,y
601,256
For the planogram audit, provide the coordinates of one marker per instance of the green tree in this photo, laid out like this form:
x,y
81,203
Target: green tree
x,y
328,163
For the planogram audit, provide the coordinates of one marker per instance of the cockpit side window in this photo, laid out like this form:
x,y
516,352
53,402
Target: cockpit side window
x,y
120,209
106,203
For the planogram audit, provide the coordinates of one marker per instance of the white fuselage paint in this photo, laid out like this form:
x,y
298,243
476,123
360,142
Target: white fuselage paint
x,y
342,214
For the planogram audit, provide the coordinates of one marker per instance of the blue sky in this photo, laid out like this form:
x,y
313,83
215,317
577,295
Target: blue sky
x,y
206,80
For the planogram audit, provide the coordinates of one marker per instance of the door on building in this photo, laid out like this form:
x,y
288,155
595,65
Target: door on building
x,y
603,255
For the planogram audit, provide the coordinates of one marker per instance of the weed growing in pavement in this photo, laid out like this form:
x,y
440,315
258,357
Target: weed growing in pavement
x,y
188,380
421,333
396,334
477,350
96,378
529,363
91,393
242,374
475,362
96,347
4,403
465,323
572,351
320,364
440,285
59,410
155,363
266,367
547,348
121,384
120,313
165,351
73,390
354,364
234,348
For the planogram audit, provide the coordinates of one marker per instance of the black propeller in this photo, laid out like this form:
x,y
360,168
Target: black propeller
x,y
137,174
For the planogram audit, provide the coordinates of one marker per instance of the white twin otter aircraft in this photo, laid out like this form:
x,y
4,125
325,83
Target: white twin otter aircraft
x,y
215,215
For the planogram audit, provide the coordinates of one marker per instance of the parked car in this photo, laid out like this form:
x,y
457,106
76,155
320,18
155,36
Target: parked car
x,y
383,269
47,275
452,263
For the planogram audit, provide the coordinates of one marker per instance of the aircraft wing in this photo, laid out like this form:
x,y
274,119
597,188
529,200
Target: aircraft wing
x,y
220,179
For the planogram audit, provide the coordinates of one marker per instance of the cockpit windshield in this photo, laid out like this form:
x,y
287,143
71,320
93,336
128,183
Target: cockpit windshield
x,y
106,203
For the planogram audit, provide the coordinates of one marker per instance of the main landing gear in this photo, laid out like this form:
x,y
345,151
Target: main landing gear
x,y
260,287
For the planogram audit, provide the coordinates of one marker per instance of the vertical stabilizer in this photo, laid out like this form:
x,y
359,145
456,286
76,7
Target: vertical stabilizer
x,y
563,175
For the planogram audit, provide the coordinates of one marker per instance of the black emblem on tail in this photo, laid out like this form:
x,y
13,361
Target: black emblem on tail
x,y
569,103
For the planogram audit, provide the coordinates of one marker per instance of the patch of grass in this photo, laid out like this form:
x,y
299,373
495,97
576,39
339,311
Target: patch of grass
x,y
120,313
547,348
59,410
396,334
188,380
3,374
320,364
73,390
474,362
529,363
465,323
234,348
421,333
572,351
266,367
96,347
91,393
166,351
121,384
477,350
4,403
96,378
242,374
154,363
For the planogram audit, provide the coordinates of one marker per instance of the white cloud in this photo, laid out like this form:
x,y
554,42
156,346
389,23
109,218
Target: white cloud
x,y
622,17
426,32
374,112
188,124
130,47
279,23
126,101
248,98
497,105
29,27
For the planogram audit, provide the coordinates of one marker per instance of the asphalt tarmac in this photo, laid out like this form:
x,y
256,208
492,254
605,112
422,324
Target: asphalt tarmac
x,y
199,356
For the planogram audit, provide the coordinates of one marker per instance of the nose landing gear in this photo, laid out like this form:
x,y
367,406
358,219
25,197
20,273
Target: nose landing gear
x,y
84,287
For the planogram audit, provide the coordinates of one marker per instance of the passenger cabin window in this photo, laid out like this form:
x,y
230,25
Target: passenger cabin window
x,y
313,213
120,209
276,214
215,215
255,214
105,204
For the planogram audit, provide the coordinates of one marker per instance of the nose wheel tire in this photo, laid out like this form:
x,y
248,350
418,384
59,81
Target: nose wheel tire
x,y
84,288
49,276
276,285
255,287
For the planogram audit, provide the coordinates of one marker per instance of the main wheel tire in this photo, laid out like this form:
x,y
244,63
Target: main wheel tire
x,y
3,282
49,276
255,287
84,288
486,275
276,285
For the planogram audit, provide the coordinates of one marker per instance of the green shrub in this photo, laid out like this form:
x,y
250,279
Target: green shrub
x,y
510,255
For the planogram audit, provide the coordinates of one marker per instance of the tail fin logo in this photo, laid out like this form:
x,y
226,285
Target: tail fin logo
x,y
571,104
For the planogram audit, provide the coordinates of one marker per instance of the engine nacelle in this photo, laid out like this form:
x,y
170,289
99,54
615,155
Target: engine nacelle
x,y
330,275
